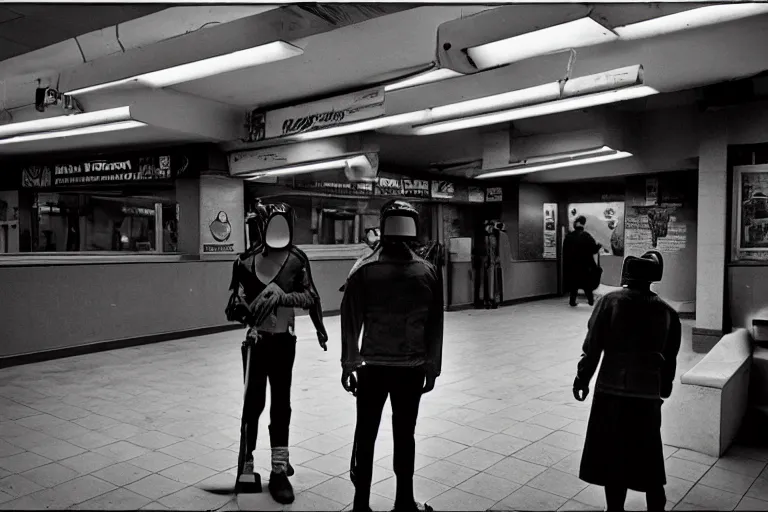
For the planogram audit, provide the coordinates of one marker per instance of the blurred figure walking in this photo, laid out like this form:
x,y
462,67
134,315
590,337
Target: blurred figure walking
x,y
580,272
638,335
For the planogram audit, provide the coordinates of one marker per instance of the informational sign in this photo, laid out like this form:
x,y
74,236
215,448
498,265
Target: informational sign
x,y
121,171
751,216
651,191
443,189
416,188
605,222
493,195
476,195
328,113
222,225
550,231
388,187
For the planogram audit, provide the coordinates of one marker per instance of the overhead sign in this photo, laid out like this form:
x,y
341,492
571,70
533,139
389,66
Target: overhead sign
x,y
476,195
141,169
416,188
443,190
335,188
493,195
328,113
389,187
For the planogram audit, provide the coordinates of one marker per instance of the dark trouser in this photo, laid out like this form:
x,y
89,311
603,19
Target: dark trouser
x,y
615,497
404,387
272,359
588,293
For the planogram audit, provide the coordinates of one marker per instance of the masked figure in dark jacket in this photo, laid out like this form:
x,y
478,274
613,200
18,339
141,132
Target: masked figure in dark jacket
x,y
580,272
638,335
268,281
395,298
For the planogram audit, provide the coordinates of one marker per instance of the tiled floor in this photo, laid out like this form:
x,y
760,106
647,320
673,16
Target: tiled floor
x,y
157,426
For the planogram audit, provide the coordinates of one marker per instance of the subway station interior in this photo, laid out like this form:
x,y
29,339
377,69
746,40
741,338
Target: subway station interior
x,y
137,139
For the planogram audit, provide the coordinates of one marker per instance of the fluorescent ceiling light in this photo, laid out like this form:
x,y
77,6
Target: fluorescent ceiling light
x,y
99,117
408,118
436,75
593,156
573,34
543,109
271,52
693,18
73,132
328,165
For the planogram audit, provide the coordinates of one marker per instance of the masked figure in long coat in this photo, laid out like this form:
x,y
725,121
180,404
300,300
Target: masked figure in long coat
x,y
268,281
638,336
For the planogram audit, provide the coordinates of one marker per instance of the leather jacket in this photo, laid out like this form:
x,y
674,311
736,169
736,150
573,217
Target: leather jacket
x,y
638,335
395,299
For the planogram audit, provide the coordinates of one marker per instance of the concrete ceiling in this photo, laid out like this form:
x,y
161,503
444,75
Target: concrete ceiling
x,y
28,27
349,47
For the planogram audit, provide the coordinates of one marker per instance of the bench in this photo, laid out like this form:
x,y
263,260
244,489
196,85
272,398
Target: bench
x,y
713,397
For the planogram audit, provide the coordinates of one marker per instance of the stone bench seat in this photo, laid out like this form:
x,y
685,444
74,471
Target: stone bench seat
x,y
716,395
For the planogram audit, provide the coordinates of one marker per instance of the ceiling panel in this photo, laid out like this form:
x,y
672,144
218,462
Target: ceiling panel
x,y
32,26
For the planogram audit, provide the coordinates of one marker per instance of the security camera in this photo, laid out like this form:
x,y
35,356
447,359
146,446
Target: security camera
x,y
46,96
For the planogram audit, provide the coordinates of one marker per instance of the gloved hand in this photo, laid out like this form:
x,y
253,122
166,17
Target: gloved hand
x,y
349,381
429,383
580,390
322,338
266,303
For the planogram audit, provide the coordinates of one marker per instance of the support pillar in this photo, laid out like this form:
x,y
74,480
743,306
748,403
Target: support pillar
x,y
711,232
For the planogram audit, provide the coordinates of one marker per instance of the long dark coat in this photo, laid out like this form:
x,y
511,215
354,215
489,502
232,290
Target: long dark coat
x,y
579,267
638,336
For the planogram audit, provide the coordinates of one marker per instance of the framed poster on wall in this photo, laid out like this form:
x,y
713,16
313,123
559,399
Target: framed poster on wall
x,y
750,218
605,222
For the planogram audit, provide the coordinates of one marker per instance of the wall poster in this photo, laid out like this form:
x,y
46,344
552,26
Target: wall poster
x,y
654,228
550,231
222,225
476,195
605,222
751,215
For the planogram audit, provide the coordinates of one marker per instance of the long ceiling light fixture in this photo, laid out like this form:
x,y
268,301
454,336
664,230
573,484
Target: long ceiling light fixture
x,y
436,75
73,132
266,53
584,92
693,18
328,165
586,32
107,120
573,34
559,161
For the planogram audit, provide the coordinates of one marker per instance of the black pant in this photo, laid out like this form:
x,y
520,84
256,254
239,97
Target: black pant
x,y
404,387
588,293
615,497
272,358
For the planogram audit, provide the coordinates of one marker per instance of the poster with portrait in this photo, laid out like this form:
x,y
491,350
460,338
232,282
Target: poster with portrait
x,y
751,216
605,222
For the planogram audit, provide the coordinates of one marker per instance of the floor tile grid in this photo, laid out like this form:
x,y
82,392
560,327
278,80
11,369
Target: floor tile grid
x,y
496,386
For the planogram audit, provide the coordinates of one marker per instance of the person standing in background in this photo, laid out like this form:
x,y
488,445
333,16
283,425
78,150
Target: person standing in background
x,y
580,272
638,335
395,299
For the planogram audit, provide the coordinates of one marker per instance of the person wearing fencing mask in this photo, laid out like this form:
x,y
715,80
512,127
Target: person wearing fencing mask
x,y
638,336
395,300
268,281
